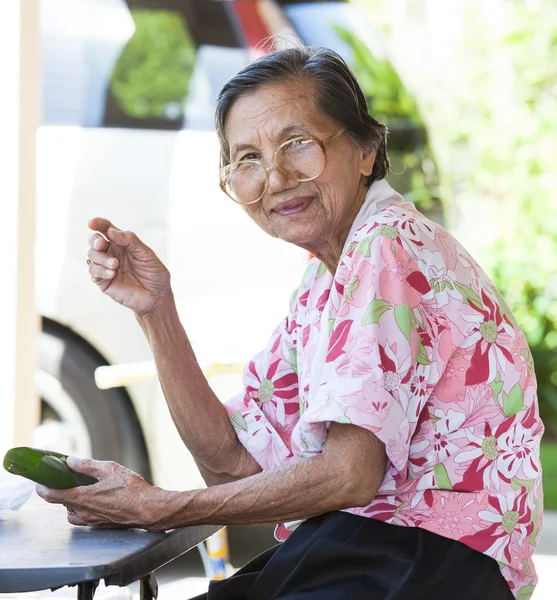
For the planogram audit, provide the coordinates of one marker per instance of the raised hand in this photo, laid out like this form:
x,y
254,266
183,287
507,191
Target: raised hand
x,y
125,269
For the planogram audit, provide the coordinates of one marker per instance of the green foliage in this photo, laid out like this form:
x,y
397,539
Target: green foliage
x,y
413,172
151,77
389,100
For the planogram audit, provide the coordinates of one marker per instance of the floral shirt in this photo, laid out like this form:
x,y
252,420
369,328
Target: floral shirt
x,y
411,340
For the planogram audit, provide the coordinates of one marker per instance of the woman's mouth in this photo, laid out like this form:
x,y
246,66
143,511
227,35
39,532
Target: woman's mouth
x,y
294,206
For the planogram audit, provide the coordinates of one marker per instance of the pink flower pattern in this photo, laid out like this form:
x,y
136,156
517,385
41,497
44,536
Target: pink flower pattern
x,y
411,340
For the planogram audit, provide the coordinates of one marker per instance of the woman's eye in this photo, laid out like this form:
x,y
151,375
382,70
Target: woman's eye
x,y
250,156
298,144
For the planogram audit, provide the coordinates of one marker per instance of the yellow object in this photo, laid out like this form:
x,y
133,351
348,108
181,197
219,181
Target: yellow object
x,y
110,376
217,550
223,368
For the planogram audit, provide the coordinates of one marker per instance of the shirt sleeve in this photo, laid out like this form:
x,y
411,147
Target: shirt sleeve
x,y
377,350
266,411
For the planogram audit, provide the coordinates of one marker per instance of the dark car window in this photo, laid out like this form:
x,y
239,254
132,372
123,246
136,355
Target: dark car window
x,y
344,28
148,64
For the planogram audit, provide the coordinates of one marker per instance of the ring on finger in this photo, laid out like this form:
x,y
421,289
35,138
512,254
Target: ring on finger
x,y
69,511
89,261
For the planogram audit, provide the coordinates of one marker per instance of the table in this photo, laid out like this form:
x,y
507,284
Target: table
x,y
40,550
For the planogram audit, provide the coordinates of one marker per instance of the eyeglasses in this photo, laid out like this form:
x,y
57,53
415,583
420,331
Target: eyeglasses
x,y
302,158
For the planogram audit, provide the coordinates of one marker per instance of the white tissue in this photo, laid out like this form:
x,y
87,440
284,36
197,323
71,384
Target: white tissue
x,y
14,491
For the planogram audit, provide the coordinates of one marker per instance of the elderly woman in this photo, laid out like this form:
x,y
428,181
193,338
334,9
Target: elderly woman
x,y
391,424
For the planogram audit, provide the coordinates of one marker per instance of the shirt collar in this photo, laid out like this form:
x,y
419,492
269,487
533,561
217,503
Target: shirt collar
x,y
379,195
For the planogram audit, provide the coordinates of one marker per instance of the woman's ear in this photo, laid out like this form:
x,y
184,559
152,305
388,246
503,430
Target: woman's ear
x,y
367,161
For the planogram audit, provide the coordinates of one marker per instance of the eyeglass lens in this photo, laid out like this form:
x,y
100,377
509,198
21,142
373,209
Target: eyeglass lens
x,y
302,159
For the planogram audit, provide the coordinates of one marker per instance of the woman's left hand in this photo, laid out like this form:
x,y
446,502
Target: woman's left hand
x,y
120,498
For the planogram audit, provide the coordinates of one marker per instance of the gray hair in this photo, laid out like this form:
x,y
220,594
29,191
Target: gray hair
x,y
339,96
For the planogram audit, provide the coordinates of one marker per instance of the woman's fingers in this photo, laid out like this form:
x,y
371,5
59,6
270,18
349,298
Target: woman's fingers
x,y
99,242
103,259
123,239
75,519
88,466
105,233
98,272
100,224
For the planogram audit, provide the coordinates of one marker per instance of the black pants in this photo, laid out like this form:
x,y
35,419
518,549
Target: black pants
x,y
339,556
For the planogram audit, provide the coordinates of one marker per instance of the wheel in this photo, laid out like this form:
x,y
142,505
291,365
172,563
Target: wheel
x,y
76,417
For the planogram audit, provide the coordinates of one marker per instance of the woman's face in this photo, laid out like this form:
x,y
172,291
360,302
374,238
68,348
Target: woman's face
x,y
311,214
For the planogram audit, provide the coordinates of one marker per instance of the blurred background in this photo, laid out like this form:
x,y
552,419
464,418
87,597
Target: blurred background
x,y
123,98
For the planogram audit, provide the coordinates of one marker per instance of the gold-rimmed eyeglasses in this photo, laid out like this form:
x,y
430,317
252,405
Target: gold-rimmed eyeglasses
x,y
302,158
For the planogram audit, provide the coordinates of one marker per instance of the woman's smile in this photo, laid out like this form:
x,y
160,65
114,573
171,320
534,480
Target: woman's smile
x,y
293,206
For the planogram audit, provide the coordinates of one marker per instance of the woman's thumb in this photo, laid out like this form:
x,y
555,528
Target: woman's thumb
x,y
118,237
86,466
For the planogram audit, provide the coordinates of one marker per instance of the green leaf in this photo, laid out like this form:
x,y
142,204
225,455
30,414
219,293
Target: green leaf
x,y
519,483
321,270
293,359
352,287
344,419
525,592
497,385
238,421
536,521
364,247
402,317
415,323
331,324
513,402
442,477
469,294
374,311
294,296
421,354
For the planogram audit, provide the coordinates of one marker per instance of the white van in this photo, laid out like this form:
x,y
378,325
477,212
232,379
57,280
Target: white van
x,y
128,95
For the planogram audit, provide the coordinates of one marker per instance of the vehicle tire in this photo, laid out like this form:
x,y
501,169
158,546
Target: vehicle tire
x,y
78,418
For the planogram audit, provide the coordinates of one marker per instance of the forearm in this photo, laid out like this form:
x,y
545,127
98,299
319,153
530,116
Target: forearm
x,y
295,491
346,474
198,414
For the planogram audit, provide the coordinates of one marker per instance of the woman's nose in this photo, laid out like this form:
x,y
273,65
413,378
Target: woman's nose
x,y
278,181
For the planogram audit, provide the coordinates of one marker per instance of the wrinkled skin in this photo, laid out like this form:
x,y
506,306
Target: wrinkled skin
x,y
117,500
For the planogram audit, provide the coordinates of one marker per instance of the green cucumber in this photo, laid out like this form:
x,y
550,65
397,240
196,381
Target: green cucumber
x,y
45,467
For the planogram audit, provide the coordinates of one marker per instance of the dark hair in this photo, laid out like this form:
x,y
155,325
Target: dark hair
x,y
338,95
